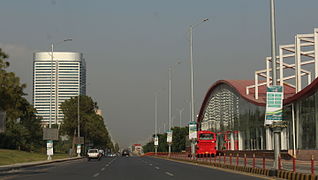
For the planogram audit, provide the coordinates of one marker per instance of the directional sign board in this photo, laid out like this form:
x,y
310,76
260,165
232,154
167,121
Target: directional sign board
x,y
79,140
274,105
2,121
50,134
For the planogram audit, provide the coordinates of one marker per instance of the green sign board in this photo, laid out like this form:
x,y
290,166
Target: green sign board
x,y
274,104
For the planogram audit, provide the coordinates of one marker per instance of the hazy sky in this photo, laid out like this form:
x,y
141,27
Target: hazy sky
x,y
129,44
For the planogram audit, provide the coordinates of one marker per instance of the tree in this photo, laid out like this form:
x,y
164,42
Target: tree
x,y
92,126
23,129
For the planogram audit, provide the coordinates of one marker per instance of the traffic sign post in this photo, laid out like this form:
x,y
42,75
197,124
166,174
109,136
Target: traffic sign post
x,y
192,136
156,143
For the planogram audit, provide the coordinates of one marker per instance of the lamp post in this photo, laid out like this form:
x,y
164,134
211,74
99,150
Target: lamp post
x,y
50,142
156,121
56,82
276,126
170,109
191,79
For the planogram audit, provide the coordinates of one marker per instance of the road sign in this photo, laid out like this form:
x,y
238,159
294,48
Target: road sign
x,y
274,105
79,140
156,141
169,136
192,130
2,121
50,134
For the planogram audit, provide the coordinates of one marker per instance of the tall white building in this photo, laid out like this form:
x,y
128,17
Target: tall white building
x,y
56,80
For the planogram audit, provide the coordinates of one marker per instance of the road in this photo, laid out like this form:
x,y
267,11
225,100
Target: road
x,y
121,168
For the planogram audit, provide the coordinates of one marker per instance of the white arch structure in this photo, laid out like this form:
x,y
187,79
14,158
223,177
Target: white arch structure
x,y
303,51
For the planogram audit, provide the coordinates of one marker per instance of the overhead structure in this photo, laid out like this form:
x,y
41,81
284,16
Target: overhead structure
x,y
294,62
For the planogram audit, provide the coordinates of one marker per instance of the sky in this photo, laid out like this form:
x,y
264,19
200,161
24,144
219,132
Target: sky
x,y
129,45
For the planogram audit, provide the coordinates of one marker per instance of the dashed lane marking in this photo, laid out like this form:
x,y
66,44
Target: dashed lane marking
x,y
150,164
95,175
157,167
168,173
103,169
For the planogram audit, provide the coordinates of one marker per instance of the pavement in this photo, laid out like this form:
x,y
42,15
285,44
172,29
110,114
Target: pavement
x,y
34,163
122,168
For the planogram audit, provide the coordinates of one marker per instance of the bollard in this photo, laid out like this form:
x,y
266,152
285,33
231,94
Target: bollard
x,y
312,165
279,163
264,163
224,157
253,160
210,158
220,158
294,164
237,159
245,160
215,157
231,159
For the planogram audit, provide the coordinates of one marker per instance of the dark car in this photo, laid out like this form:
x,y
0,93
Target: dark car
x,y
125,153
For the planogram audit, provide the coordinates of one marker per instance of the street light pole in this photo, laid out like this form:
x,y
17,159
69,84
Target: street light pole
x,y
276,128
156,120
56,90
191,80
169,143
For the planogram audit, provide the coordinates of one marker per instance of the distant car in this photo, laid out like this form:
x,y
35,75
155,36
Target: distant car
x,y
93,154
125,153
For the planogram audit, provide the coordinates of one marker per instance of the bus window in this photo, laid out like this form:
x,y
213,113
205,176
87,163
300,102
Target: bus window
x,y
206,136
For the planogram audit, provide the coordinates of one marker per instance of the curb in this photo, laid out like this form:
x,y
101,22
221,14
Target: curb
x,y
36,163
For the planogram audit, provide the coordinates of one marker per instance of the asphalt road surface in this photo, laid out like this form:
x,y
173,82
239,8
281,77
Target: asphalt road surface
x,y
121,168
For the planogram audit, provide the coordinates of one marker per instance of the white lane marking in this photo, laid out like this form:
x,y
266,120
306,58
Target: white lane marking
x,y
103,169
95,175
157,167
170,174
106,165
150,164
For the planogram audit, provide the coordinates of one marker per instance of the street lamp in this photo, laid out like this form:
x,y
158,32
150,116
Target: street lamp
x,y
191,64
50,142
170,81
78,120
276,126
191,79
156,122
56,81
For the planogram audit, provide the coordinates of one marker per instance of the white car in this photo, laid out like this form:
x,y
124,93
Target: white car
x,y
93,154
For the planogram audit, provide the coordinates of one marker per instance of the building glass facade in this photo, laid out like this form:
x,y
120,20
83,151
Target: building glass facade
x,y
56,81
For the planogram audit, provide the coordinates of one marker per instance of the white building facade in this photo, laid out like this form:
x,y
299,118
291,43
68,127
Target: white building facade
x,y
56,80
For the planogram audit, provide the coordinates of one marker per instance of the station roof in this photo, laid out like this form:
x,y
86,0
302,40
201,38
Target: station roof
x,y
240,87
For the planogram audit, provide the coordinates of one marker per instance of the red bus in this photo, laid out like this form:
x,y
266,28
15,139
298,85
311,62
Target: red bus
x,y
206,144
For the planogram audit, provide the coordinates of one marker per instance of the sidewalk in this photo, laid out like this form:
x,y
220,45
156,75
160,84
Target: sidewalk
x,y
34,163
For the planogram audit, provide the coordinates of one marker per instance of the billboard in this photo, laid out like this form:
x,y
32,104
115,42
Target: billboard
x,y
192,130
50,134
274,105
156,141
169,136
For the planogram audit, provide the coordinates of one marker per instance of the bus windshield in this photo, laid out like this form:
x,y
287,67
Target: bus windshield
x,y
206,136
